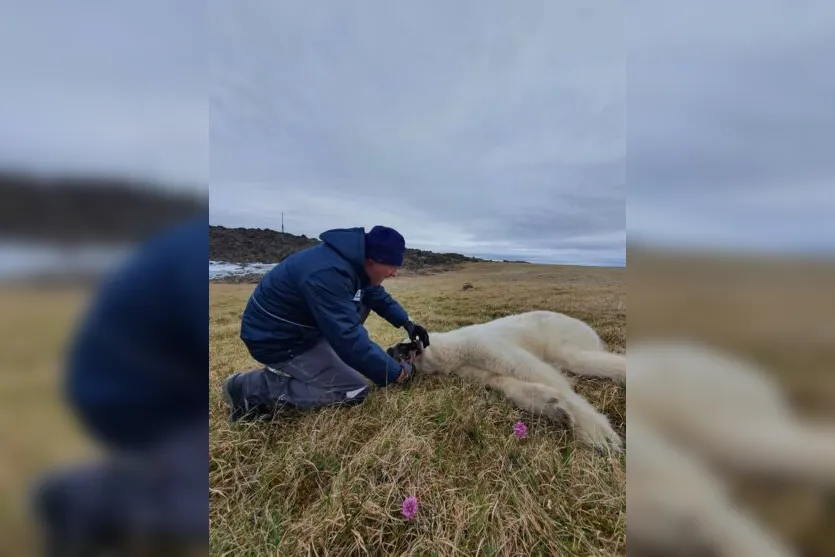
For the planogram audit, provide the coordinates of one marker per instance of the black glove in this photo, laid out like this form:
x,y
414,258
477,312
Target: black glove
x,y
417,332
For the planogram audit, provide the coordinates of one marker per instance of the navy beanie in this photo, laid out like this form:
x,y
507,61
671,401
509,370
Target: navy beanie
x,y
385,245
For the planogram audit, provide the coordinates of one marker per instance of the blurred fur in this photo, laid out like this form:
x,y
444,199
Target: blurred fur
x,y
695,418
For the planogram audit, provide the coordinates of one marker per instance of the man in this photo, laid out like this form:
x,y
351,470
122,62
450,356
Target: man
x,y
304,323
136,376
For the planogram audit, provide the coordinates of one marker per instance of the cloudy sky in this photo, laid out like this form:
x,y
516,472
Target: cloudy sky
x,y
107,86
731,110
354,116
489,128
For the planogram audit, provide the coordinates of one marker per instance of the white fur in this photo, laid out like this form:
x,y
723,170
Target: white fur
x,y
523,356
694,416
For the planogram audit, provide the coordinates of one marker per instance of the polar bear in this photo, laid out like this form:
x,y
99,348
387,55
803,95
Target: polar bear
x,y
696,417
728,410
523,356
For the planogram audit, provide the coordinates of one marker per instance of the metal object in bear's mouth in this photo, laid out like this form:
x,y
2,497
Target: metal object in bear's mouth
x,y
401,350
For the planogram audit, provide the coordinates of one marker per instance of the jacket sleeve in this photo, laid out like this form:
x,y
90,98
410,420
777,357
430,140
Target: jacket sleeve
x,y
381,302
329,295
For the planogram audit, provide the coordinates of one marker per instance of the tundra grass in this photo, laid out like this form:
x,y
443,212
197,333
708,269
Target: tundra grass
x,y
332,482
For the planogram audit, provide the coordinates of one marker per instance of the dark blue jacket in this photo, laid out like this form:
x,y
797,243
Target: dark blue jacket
x,y
137,365
317,293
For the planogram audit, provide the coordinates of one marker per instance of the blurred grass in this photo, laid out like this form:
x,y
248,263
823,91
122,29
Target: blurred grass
x,y
37,430
332,482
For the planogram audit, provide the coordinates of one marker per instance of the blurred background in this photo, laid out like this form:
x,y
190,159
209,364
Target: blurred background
x,y
103,146
732,245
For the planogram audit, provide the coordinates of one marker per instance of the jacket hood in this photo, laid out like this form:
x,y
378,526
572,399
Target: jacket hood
x,y
349,243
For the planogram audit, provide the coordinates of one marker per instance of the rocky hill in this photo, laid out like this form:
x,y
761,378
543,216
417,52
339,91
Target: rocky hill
x,y
66,209
258,245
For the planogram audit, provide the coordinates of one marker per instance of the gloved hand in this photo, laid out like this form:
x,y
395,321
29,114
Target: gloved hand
x,y
417,332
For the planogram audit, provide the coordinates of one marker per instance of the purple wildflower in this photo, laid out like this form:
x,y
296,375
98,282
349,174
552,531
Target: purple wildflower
x,y
410,507
520,430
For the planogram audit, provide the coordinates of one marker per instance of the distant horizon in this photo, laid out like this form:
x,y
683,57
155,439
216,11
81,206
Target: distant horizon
x,y
219,264
492,256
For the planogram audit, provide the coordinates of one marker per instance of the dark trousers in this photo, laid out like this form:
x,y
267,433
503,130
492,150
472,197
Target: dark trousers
x,y
311,380
157,497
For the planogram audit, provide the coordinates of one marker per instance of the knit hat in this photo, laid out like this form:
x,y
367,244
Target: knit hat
x,y
385,245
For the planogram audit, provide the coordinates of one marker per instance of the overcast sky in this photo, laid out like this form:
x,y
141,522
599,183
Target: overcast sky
x,y
344,116
113,86
731,109
489,128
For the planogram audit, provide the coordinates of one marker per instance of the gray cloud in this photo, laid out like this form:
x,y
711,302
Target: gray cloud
x,y
100,86
731,123
473,127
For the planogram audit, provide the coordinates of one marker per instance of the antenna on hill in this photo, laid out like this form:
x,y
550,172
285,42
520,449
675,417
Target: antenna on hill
x,y
282,222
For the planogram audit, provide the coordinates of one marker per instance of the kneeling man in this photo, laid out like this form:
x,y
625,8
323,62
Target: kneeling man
x,y
304,323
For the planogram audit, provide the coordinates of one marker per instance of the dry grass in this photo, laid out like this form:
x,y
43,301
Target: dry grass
x,y
37,430
332,482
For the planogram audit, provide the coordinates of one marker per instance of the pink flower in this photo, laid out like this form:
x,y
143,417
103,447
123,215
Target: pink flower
x,y
410,507
520,430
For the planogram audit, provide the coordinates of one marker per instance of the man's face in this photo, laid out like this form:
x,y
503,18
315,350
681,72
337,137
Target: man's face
x,y
378,272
